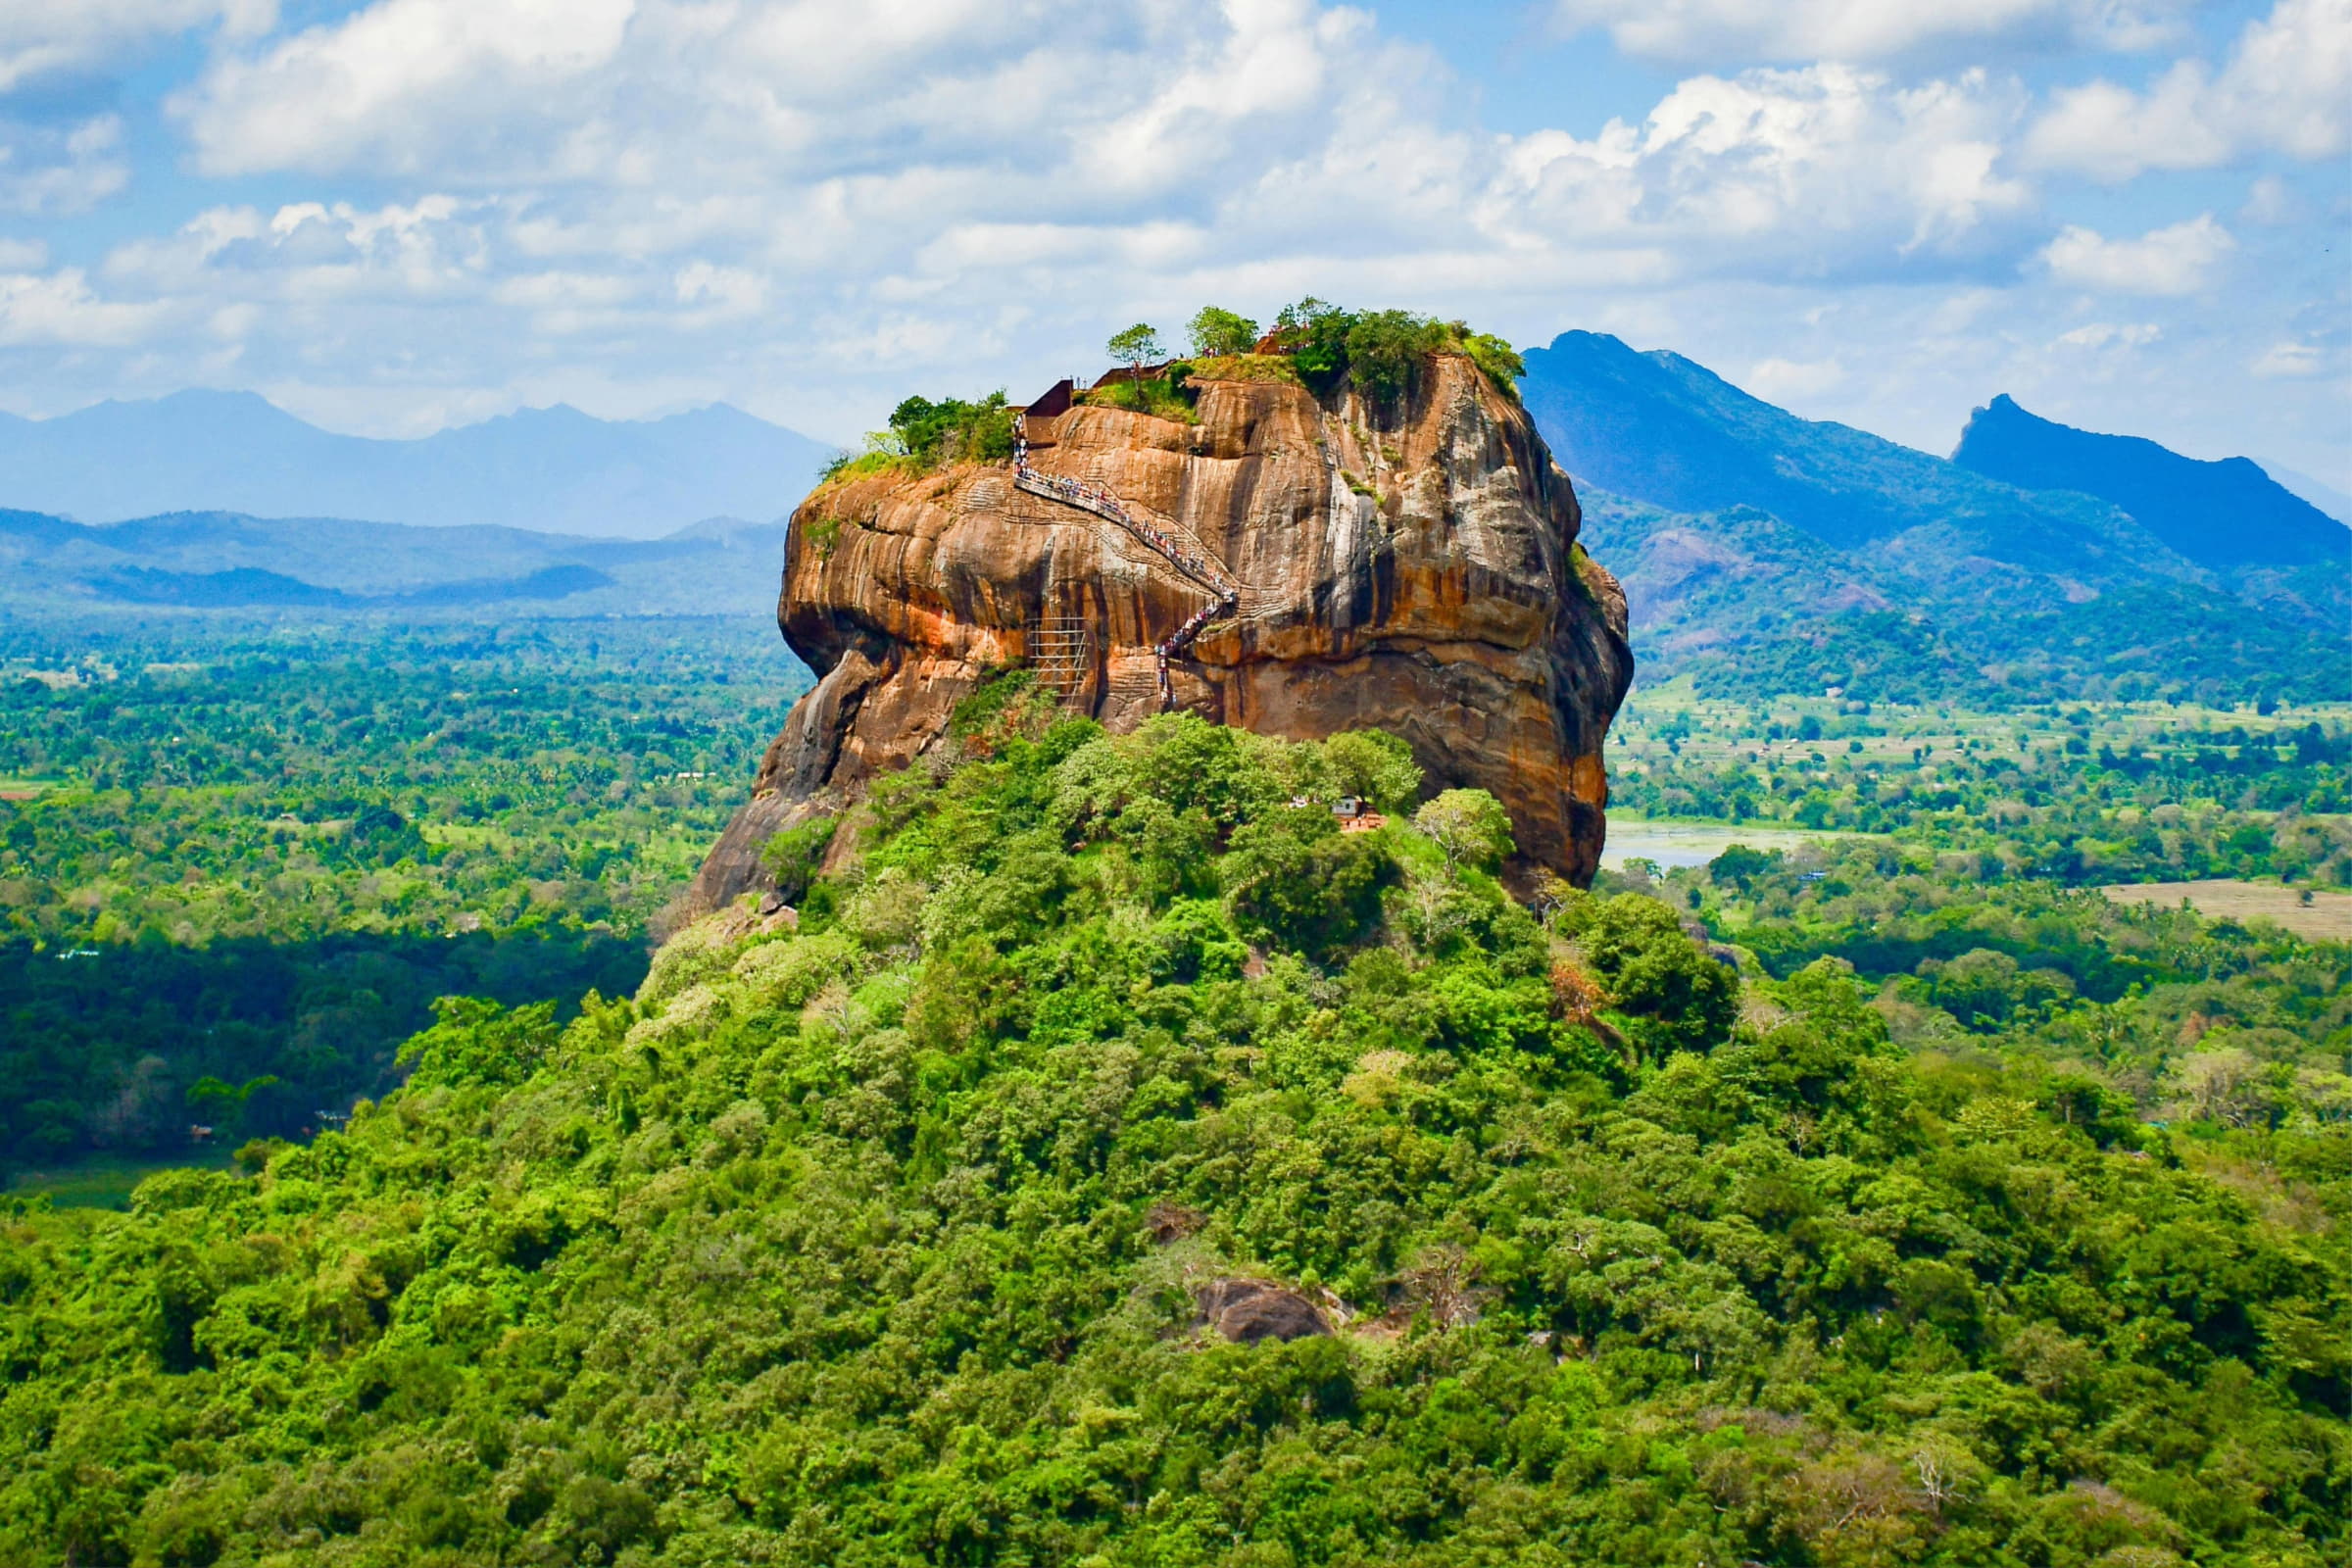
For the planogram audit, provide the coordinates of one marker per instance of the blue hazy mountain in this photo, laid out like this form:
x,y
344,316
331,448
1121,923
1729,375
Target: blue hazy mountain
x,y
2219,515
1660,429
218,561
547,469
2318,492
1765,552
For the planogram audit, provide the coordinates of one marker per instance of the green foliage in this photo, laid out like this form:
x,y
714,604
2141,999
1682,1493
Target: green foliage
x,y
1315,334
263,849
1166,396
1386,349
1501,362
881,1241
1663,993
1270,368
884,453
1136,346
1738,865
1469,825
1297,880
473,1041
1375,765
2130,793
952,430
791,858
1381,351
1215,331
924,435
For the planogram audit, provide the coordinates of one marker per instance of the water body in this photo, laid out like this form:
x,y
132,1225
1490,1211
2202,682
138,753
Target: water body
x,y
1674,844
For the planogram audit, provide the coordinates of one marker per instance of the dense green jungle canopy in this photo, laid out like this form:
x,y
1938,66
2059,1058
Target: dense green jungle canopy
x,y
889,1238
258,850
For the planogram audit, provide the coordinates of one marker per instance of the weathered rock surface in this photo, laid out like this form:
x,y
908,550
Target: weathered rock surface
x,y
1411,567
1246,1311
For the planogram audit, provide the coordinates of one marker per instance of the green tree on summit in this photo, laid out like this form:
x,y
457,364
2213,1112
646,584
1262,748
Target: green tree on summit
x,y
1135,348
1220,331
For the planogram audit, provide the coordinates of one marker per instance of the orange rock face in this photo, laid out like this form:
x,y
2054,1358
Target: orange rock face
x,y
1408,566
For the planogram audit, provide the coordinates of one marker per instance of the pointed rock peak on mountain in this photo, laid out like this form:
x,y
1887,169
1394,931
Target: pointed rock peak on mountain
x,y
2220,514
1290,561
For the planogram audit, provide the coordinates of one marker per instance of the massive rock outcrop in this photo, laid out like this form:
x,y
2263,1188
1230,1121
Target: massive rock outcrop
x,y
1409,563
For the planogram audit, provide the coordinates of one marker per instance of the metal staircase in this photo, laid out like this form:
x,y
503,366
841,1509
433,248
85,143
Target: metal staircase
x,y
1167,538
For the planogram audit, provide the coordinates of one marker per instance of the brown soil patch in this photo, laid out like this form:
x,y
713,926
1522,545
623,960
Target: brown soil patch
x,y
2328,918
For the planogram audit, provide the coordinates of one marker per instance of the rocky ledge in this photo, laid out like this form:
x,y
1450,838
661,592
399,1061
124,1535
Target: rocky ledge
x,y
1407,564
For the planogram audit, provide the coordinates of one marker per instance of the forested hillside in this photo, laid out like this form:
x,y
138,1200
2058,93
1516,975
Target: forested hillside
x,y
1117,1163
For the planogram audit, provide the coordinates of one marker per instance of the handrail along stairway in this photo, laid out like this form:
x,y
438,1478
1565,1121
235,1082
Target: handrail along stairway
x,y
1195,563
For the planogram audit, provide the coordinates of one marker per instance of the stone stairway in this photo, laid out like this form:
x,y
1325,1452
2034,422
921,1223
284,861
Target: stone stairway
x,y
1138,683
1170,540
1251,604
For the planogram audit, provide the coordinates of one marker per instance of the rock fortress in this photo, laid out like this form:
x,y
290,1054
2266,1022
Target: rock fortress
x,y
1291,561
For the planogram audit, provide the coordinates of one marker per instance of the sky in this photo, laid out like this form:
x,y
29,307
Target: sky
x,y
393,216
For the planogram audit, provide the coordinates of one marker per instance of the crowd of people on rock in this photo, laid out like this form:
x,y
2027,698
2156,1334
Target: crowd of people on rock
x,y
1191,629
1094,499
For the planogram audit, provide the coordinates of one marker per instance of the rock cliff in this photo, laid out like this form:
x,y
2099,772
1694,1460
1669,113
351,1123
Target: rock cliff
x,y
1409,563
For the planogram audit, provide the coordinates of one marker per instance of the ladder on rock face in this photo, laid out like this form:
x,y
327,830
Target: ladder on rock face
x,y
1174,543
1057,649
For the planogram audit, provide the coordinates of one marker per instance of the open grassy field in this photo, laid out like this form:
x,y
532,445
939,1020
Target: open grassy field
x,y
1671,720
102,1182
2318,914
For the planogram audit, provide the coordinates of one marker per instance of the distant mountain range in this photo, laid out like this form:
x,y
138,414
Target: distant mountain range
x,y
226,561
1773,553
2222,514
2327,497
549,469
1759,550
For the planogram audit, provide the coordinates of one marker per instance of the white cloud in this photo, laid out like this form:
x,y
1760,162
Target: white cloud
x,y
2270,202
2110,334
59,309
717,294
2292,361
1686,32
1816,171
427,254
2287,87
812,209
942,183
922,139
398,82
2177,260
1793,381
41,36
51,170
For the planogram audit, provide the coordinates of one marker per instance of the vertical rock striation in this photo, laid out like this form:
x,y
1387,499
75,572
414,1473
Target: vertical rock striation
x,y
1409,563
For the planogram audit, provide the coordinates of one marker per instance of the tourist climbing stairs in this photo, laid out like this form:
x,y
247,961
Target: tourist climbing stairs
x,y
1128,687
1174,543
